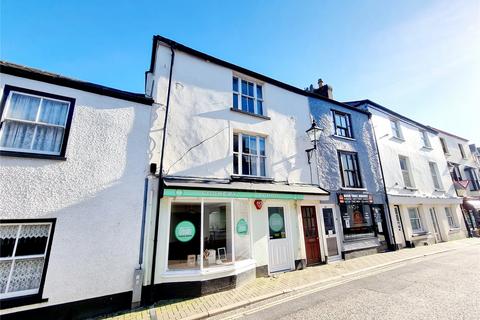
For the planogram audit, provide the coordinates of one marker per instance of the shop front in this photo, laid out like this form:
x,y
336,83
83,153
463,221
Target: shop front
x,y
471,215
364,225
215,237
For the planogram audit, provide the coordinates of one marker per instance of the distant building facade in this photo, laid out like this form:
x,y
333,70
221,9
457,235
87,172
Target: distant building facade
x,y
423,202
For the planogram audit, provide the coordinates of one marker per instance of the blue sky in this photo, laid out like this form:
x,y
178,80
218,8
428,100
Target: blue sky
x,y
419,58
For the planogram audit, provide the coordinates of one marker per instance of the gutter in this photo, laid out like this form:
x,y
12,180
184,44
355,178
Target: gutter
x,y
161,188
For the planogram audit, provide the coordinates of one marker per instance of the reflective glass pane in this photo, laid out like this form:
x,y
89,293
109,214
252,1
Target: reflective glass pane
x,y
245,143
253,165
235,164
246,165
235,84
23,107
17,135
276,223
250,89
251,107
253,144
262,167
244,87
184,243
217,233
235,101
261,143
259,92
8,236
54,112
244,103
235,143
260,107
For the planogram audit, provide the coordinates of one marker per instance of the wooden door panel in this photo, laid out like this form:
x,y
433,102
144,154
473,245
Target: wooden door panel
x,y
310,231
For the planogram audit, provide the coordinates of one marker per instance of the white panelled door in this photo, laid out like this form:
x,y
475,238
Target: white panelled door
x,y
279,252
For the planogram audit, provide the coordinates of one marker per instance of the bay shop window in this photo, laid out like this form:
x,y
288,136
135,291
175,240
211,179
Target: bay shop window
x,y
208,234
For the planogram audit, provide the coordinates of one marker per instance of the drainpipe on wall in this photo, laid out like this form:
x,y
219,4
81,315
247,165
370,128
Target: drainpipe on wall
x,y
384,186
160,177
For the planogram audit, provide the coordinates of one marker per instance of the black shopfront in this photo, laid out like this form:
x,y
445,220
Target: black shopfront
x,y
362,219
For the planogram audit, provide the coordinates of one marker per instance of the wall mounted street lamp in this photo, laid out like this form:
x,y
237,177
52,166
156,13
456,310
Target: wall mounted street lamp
x,y
314,135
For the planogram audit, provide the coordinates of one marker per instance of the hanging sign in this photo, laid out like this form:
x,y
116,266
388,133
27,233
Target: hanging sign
x,y
242,227
276,222
258,204
184,231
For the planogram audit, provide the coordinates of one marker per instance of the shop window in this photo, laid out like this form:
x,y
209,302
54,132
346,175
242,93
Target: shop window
x,y
23,252
184,244
217,234
356,220
187,249
415,220
276,223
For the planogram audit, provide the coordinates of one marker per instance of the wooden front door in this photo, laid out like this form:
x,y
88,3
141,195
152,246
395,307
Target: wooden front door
x,y
310,232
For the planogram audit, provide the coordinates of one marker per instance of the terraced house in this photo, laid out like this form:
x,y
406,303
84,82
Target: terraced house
x,y
424,205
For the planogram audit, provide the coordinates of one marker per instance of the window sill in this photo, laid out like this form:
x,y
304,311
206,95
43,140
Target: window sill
x,y
420,234
398,139
447,154
250,114
251,178
410,188
342,137
353,189
31,155
439,190
237,266
427,148
22,301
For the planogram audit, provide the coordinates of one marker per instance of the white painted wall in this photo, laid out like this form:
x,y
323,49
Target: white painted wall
x,y
200,103
96,195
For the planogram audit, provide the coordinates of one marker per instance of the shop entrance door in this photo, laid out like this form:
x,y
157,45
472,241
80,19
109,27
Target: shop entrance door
x,y
279,253
436,228
331,236
310,233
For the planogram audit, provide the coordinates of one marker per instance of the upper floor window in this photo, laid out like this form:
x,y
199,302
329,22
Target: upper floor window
x,y
24,250
34,122
247,96
342,123
396,130
437,184
349,169
425,139
444,145
462,151
249,155
406,174
473,177
455,172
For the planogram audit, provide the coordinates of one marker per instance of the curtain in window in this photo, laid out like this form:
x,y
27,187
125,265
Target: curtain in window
x,y
17,135
26,275
48,139
53,112
23,107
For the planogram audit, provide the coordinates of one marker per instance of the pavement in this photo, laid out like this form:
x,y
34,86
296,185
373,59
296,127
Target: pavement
x,y
288,284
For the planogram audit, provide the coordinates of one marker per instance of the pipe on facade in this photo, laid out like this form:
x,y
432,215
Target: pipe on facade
x,y
384,187
160,176
142,230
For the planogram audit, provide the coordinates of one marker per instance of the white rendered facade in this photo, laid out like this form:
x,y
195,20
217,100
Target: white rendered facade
x,y
423,202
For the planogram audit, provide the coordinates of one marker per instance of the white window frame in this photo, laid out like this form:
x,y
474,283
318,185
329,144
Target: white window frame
x,y
452,222
255,98
416,217
437,182
258,155
425,139
36,122
13,258
396,129
407,172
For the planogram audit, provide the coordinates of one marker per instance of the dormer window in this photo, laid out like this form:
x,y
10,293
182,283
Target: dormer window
x,y
247,96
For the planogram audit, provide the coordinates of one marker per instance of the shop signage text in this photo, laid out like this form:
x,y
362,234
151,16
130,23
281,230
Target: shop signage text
x,y
230,194
348,198
184,231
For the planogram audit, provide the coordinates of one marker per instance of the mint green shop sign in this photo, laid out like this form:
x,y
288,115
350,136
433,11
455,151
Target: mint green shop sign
x,y
230,194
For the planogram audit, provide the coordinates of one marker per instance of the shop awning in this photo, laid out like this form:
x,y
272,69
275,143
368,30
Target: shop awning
x,y
178,188
474,203
400,199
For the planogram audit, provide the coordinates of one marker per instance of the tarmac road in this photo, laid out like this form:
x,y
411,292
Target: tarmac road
x,y
443,286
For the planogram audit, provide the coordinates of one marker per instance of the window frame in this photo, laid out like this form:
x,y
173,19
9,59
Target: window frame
x,y
357,171
435,174
408,171
240,154
452,222
348,129
4,106
417,218
462,151
425,139
16,300
443,142
239,94
397,131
